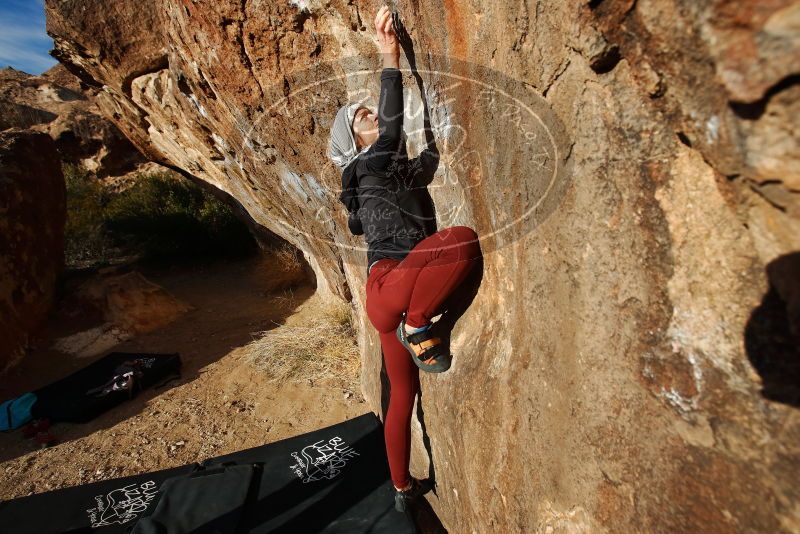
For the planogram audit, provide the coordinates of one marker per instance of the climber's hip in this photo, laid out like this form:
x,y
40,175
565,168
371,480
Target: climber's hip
x,y
444,255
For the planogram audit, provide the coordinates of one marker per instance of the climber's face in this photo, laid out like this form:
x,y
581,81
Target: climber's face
x,y
365,127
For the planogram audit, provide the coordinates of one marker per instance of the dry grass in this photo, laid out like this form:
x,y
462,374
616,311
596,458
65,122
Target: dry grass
x,y
288,258
323,349
288,271
285,299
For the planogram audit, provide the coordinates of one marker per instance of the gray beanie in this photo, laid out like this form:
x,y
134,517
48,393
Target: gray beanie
x,y
342,144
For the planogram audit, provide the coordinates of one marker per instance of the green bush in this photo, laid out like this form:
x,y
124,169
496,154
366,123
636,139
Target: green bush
x,y
86,241
162,216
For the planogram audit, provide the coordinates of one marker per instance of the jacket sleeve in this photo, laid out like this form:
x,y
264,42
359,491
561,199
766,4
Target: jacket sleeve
x,y
423,167
390,121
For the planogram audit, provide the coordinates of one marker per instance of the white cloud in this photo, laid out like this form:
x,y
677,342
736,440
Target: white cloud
x,y
34,62
28,34
23,41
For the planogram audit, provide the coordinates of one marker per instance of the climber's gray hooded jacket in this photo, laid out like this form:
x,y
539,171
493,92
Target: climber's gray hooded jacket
x,y
384,192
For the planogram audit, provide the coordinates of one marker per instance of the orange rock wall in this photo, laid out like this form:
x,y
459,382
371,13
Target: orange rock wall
x,y
32,218
628,361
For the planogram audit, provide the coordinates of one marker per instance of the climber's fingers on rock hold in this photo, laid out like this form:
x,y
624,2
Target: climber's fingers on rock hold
x,y
388,28
380,19
383,25
386,38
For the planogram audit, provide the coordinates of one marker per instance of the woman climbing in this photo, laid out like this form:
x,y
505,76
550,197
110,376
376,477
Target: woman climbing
x,y
412,268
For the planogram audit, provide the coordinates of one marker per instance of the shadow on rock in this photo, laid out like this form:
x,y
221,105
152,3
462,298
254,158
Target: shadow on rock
x,y
772,334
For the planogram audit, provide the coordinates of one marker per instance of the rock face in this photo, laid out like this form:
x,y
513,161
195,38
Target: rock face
x,y
32,216
629,359
129,304
33,200
55,103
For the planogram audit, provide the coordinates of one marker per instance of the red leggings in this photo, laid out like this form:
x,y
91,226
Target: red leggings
x,y
418,285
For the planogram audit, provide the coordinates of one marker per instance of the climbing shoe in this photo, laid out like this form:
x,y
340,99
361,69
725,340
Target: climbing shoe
x,y
402,498
427,350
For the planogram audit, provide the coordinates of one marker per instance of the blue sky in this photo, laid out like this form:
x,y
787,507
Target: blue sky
x,y
24,44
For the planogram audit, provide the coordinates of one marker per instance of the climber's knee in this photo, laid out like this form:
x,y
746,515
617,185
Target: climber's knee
x,y
468,241
466,233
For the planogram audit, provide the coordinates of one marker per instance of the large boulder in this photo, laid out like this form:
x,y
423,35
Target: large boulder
x,y
58,104
631,168
32,218
129,304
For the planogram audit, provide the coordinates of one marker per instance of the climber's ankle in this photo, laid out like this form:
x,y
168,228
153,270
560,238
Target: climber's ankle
x,y
414,329
404,488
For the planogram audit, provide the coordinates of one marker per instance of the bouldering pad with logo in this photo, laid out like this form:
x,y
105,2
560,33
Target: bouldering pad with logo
x,y
101,385
333,480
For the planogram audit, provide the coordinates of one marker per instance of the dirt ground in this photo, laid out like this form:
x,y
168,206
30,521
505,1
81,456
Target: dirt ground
x,y
222,402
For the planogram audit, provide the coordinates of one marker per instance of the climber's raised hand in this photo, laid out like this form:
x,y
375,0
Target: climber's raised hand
x,y
387,39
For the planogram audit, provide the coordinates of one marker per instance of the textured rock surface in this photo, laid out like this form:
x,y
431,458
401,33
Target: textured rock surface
x,y
32,216
55,103
129,304
33,201
629,362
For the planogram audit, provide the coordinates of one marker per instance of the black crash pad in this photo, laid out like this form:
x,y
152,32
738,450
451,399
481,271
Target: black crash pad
x,y
333,480
67,399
